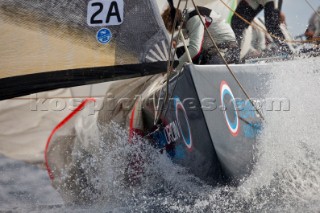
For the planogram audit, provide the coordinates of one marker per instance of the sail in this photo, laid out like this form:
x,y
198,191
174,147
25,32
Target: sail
x,y
218,6
53,44
46,45
224,7
163,4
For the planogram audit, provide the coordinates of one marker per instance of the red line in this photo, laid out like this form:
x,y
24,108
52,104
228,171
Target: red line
x,y
61,124
131,124
199,53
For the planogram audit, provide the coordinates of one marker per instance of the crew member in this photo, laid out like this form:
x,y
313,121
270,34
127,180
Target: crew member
x,y
201,48
249,9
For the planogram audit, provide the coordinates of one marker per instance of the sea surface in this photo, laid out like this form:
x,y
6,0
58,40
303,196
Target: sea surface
x,y
286,177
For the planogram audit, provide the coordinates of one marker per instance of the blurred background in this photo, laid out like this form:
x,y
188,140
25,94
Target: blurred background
x,y
298,13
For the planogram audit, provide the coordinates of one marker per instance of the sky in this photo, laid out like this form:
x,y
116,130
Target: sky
x,y
298,13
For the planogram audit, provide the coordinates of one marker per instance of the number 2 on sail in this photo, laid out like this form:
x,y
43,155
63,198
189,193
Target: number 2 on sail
x,y
105,12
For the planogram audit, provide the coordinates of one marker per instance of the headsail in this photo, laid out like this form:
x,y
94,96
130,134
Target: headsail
x,y
220,7
216,5
77,42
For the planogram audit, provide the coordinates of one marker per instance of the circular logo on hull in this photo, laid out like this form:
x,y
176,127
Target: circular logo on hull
x,y
183,122
231,117
104,36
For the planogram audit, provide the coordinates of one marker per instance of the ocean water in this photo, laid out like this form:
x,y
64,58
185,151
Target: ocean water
x,y
25,188
286,177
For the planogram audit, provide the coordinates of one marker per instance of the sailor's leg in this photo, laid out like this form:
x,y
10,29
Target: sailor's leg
x,y
272,21
246,12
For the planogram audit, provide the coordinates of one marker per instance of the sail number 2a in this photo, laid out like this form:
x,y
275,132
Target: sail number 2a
x,y
105,12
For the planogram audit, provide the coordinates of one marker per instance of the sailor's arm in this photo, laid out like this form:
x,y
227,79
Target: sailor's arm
x,y
195,30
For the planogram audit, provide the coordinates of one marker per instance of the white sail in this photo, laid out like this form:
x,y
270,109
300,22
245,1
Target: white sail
x,y
224,7
216,5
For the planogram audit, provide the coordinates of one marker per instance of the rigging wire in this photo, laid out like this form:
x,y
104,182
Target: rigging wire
x,y
171,57
265,31
226,63
185,46
169,72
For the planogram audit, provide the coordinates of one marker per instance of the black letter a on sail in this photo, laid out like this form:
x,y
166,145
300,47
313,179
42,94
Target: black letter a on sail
x,y
116,13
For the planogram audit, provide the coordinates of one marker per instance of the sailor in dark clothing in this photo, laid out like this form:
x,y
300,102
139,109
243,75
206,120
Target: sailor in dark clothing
x,y
248,9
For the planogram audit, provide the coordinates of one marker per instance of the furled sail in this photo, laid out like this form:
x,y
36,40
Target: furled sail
x,y
54,44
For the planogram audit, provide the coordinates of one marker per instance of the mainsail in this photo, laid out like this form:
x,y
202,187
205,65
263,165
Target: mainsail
x,y
54,44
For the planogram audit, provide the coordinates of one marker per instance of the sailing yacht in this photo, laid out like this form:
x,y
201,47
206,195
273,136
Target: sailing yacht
x,y
204,118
